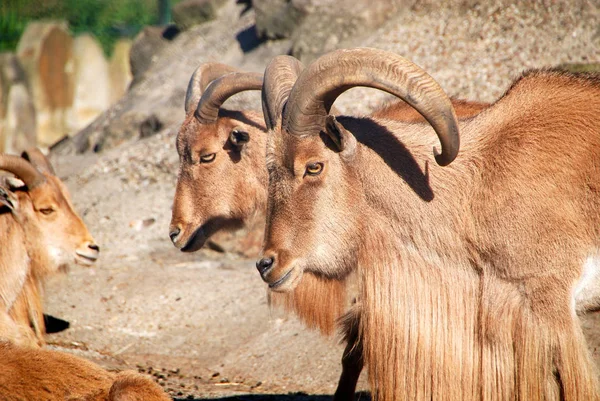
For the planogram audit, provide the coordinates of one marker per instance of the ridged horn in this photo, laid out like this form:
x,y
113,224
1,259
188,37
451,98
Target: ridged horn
x,y
221,89
330,75
38,159
201,78
280,75
21,168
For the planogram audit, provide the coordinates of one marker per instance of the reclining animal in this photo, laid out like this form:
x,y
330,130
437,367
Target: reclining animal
x,y
42,235
28,374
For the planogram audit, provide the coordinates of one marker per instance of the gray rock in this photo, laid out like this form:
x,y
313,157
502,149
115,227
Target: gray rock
x,y
145,46
188,13
330,23
18,125
19,130
318,26
277,19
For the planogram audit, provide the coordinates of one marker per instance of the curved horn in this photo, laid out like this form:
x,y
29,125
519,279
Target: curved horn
x,y
204,75
222,89
332,74
38,159
280,75
22,169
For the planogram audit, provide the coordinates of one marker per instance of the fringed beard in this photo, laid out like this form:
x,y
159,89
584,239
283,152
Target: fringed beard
x,y
433,332
318,302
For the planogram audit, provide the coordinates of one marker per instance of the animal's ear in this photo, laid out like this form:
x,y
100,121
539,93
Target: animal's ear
x,y
8,199
343,141
238,137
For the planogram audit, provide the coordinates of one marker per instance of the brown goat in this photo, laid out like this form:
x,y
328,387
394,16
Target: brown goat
x,y
45,236
38,374
227,189
468,274
235,179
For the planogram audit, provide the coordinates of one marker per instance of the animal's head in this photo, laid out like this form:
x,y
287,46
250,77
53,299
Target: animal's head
x,y
40,202
316,198
222,176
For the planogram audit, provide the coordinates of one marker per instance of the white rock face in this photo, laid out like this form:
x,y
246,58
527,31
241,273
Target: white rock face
x,y
120,70
17,113
20,120
45,51
92,88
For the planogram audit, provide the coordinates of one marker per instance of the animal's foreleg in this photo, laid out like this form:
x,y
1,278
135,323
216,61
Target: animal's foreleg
x,y
352,360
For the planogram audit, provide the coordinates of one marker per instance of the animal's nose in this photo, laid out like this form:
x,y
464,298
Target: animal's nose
x,y
264,265
174,234
94,247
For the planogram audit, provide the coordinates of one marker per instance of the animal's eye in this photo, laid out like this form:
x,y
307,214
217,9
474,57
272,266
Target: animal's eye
x,y
207,158
47,210
314,168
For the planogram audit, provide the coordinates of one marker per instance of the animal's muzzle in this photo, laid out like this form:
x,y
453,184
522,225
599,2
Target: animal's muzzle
x,y
174,234
264,266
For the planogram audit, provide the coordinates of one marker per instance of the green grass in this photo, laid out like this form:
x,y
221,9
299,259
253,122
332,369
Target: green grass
x,y
107,20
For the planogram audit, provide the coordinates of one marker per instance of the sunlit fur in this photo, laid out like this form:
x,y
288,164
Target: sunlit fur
x,y
28,312
38,246
467,272
231,190
39,374
401,111
224,193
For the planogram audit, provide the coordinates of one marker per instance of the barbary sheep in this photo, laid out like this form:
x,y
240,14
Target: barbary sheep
x,y
28,374
41,235
230,186
469,274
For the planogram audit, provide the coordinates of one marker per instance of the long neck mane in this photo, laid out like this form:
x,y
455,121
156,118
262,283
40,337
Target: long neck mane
x,y
14,261
421,316
449,275
318,302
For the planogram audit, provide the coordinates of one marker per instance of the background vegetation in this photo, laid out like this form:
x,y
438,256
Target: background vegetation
x,y
107,20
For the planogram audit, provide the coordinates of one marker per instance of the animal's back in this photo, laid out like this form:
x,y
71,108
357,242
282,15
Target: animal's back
x,y
40,374
538,170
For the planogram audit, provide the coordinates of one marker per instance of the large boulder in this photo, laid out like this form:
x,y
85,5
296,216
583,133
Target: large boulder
x,y
120,70
145,48
20,122
91,82
46,52
328,23
17,114
188,13
277,19
318,26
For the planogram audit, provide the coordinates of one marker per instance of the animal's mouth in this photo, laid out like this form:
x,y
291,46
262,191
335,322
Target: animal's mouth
x,y
205,231
196,241
86,259
287,282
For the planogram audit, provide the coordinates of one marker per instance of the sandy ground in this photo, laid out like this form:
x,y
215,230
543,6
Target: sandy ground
x,y
200,323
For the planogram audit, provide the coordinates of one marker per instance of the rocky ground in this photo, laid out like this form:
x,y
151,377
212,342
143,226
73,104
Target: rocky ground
x,y
200,323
